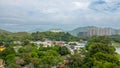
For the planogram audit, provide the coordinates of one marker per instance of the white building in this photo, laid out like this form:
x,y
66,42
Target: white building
x,y
48,43
16,48
56,30
99,31
76,47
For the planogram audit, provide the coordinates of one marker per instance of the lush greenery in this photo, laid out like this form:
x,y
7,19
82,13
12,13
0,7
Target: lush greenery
x,y
98,53
31,55
20,36
61,36
115,38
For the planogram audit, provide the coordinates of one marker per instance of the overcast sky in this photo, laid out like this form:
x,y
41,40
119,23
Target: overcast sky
x,y
26,15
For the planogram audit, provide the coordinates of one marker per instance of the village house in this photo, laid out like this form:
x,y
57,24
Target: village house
x,y
16,48
60,43
17,42
48,43
75,46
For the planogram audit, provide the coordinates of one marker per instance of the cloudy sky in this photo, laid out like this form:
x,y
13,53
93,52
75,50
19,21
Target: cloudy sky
x,y
27,15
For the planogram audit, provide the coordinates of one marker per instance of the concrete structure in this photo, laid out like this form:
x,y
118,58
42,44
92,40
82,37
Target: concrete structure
x,y
17,42
16,48
36,42
76,47
96,31
99,31
48,43
2,63
56,30
59,43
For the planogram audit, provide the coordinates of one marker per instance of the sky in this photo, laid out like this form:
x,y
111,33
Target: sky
x,y
28,15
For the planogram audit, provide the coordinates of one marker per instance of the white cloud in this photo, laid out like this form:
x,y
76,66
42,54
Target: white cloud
x,y
106,5
109,1
10,25
86,12
10,18
81,5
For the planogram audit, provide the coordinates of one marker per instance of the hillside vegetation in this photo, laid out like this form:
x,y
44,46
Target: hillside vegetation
x,y
41,36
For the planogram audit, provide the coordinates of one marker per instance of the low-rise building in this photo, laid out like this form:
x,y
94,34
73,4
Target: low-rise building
x,y
76,47
60,43
17,42
49,43
16,48
56,30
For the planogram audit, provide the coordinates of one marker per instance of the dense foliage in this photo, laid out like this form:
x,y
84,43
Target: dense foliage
x,y
30,55
20,36
98,52
61,36
115,38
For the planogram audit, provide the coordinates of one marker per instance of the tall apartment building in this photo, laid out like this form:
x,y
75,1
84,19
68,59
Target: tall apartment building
x,y
96,31
99,31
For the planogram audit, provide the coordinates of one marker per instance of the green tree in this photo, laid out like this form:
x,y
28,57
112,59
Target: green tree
x,y
100,54
51,58
99,39
26,42
10,58
35,62
76,61
100,47
12,65
21,50
7,51
64,50
1,43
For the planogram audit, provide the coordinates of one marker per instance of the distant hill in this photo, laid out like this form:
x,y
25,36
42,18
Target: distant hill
x,y
20,34
44,30
4,32
84,29
38,29
80,29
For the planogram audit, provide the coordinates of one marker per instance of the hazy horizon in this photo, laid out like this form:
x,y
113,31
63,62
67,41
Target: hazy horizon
x,y
27,15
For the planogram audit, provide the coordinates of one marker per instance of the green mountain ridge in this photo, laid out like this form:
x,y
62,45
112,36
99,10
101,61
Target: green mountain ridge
x,y
4,32
80,29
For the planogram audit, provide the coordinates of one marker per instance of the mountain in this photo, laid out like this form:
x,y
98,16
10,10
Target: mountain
x,y
85,29
38,29
4,32
47,29
80,29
